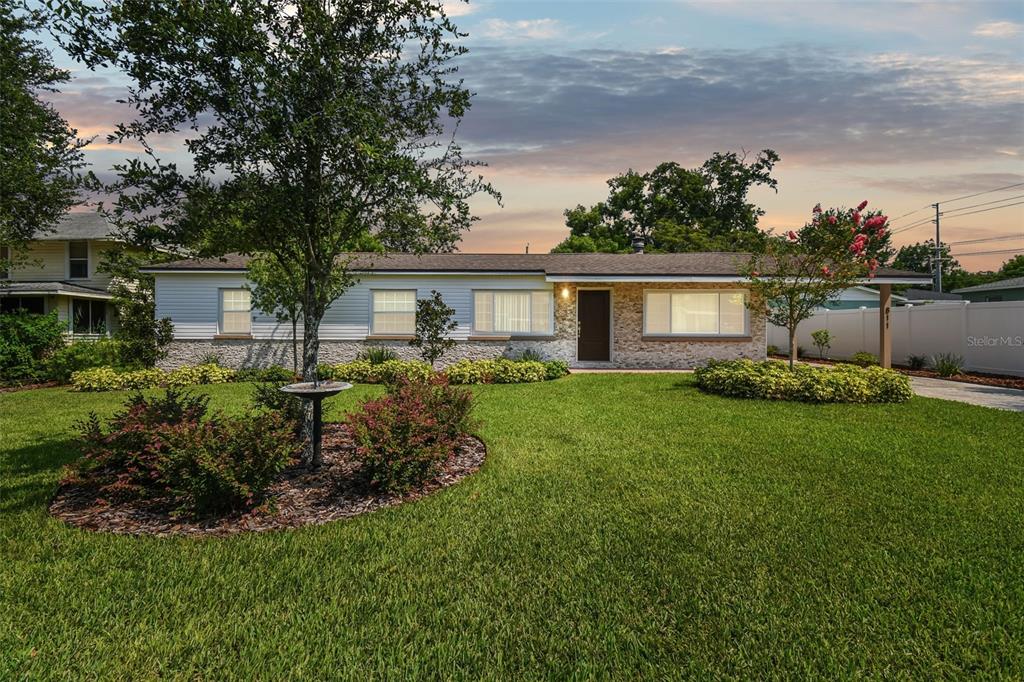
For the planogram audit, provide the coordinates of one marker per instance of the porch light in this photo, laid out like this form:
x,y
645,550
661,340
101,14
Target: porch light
x,y
565,292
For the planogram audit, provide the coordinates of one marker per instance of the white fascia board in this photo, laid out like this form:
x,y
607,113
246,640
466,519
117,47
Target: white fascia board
x,y
212,271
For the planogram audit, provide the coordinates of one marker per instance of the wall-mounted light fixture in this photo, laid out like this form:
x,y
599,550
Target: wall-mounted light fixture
x,y
565,292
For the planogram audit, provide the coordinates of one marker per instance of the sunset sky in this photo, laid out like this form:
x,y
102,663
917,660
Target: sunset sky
x,y
900,104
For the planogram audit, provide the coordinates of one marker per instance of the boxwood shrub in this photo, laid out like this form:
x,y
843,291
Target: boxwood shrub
x,y
497,371
773,380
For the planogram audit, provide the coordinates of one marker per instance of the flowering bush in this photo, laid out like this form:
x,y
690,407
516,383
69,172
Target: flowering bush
x,y
403,437
163,447
773,380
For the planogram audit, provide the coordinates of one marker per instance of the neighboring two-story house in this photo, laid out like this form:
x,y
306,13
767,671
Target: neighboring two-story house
x,y
60,274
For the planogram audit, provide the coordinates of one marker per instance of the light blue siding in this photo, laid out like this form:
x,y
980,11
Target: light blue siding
x,y
191,300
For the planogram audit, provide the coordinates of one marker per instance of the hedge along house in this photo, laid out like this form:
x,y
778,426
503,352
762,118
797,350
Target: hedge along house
x,y
592,310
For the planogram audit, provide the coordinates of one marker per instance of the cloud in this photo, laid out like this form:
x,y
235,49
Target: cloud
x,y
940,185
605,110
460,9
523,29
998,29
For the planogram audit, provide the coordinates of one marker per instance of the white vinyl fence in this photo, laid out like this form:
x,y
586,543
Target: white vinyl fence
x,y
989,336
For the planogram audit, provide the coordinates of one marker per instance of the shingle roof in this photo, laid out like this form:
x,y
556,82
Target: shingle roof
x,y
24,288
550,264
72,226
929,295
1011,283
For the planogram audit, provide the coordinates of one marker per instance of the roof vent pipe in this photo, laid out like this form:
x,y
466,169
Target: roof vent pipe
x,y
638,244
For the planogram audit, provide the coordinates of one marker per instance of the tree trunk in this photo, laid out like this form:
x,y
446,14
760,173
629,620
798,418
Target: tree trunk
x,y
792,346
295,346
310,352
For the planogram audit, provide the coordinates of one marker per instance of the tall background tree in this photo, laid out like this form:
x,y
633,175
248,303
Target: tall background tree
x,y
802,270
675,209
309,126
40,154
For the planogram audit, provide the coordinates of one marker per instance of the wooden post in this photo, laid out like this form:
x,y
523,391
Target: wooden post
x,y
884,335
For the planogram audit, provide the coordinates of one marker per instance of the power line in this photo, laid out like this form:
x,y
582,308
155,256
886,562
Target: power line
x,y
986,203
978,194
987,239
983,210
919,223
987,253
916,210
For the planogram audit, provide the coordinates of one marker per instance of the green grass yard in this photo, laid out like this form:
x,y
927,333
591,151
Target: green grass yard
x,y
623,526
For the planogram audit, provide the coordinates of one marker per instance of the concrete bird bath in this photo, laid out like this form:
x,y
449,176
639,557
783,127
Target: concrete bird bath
x,y
316,391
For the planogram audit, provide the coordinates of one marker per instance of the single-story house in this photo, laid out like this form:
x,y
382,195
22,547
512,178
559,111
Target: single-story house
x,y
1011,289
603,310
913,296
857,297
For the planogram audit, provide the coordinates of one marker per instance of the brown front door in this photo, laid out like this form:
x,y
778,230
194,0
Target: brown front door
x,y
593,312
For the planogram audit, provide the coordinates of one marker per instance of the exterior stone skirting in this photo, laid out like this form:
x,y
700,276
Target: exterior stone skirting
x,y
241,353
630,349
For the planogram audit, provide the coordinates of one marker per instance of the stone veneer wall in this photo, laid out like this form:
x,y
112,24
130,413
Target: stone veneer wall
x,y
629,348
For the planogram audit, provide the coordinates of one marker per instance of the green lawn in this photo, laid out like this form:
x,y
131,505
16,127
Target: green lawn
x,y
623,526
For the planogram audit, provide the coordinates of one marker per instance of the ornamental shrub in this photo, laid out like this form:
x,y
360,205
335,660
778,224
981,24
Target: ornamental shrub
x,y
773,380
268,397
864,359
375,355
404,437
110,379
26,340
209,373
387,372
917,361
948,364
555,369
164,447
79,355
123,460
225,463
498,371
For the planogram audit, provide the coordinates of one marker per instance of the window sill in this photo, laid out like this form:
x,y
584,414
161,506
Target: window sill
x,y
695,337
511,337
232,337
390,337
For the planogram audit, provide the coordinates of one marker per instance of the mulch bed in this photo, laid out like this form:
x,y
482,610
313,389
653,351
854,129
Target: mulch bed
x,y
299,498
1000,380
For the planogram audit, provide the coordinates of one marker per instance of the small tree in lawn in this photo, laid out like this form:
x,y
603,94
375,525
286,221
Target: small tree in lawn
x,y
823,340
434,322
801,271
278,292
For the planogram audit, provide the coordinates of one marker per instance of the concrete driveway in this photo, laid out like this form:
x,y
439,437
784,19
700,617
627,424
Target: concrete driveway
x,y
975,394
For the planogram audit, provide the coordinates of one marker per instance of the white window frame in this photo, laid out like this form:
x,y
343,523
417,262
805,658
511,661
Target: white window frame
x,y
718,334
551,311
67,258
221,311
415,298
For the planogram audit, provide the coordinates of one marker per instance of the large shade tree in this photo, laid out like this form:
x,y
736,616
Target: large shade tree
x,y
675,209
309,126
40,154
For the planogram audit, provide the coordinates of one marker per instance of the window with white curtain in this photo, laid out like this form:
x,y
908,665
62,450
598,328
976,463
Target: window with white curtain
x,y
695,313
394,312
512,312
235,308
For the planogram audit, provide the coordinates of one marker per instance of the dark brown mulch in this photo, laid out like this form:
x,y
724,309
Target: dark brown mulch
x,y
1000,380
299,498
11,388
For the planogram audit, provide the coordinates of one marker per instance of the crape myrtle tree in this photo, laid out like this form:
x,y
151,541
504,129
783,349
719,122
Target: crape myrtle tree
x,y
308,126
40,154
675,209
801,270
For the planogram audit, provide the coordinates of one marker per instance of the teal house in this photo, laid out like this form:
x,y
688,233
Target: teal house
x,y
1004,290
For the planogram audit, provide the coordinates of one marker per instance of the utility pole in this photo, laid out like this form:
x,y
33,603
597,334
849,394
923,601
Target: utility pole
x,y
937,260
